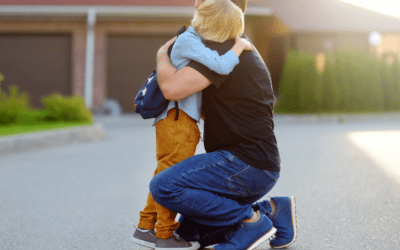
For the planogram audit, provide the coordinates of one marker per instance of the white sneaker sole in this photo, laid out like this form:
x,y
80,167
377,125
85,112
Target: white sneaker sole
x,y
265,237
294,221
195,246
143,243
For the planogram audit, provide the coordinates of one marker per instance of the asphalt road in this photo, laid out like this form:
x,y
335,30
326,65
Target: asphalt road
x,y
87,196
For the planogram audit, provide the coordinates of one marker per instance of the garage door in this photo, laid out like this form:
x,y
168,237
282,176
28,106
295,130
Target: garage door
x,y
130,60
37,64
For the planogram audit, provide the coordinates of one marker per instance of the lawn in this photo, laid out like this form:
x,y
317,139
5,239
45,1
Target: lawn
x,y
21,128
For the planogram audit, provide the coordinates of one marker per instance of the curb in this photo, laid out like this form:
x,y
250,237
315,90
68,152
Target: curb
x,y
24,142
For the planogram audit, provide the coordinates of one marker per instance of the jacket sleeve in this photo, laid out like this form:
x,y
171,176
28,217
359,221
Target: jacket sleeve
x,y
190,47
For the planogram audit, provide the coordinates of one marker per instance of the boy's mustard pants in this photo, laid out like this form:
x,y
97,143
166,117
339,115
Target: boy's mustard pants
x,y
175,142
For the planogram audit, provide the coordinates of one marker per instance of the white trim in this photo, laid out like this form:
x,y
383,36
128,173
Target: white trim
x,y
89,61
74,10
259,11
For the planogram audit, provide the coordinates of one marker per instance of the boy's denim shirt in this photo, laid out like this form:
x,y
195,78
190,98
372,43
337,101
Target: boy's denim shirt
x,y
188,46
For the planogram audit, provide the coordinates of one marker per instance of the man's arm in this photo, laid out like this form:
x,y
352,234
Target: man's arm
x,y
175,84
190,47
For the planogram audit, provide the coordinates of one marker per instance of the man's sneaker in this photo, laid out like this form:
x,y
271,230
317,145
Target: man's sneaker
x,y
285,221
247,236
145,238
175,243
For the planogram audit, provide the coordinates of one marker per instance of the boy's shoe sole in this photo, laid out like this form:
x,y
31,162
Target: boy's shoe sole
x,y
265,237
195,246
294,221
143,243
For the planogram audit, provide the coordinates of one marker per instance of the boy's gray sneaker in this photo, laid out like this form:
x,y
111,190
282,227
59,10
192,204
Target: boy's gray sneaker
x,y
145,238
176,243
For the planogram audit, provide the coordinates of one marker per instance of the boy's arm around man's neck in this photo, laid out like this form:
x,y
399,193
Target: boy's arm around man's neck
x,y
175,84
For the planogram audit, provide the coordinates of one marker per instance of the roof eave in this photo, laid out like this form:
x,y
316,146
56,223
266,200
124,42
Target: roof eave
x,y
105,13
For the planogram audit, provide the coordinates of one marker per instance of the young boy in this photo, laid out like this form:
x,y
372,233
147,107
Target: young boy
x,y
176,140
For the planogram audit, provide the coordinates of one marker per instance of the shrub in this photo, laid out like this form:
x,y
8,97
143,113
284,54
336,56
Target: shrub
x,y
395,70
300,89
8,113
390,73
374,94
357,88
289,86
59,108
13,107
310,88
386,82
352,81
2,96
330,87
343,60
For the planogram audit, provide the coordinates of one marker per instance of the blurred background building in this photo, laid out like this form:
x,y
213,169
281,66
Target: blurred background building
x,y
107,48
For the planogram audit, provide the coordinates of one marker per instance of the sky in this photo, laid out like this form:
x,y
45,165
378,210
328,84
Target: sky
x,y
390,7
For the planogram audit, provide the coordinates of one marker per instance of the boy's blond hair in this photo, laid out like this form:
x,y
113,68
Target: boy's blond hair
x,y
218,20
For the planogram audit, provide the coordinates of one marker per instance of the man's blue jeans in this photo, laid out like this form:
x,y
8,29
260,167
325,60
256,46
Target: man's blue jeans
x,y
213,189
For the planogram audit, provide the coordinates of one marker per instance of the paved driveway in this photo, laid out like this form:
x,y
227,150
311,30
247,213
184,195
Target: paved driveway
x,y
87,196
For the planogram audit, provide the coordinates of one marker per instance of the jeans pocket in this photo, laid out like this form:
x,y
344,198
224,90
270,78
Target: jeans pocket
x,y
251,182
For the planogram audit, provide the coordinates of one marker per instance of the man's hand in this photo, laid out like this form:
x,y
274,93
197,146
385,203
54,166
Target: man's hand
x,y
163,51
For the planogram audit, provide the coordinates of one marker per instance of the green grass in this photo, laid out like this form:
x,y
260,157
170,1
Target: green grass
x,y
30,127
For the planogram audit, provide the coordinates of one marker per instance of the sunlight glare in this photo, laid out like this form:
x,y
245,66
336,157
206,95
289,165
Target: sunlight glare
x,y
383,147
389,7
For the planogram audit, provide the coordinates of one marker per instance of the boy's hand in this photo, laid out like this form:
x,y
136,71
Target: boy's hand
x,y
245,42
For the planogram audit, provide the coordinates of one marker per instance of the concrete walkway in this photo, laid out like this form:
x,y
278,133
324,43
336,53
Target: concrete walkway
x,y
88,195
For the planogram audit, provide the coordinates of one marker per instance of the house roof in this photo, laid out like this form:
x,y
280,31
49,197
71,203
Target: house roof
x,y
101,2
297,15
329,16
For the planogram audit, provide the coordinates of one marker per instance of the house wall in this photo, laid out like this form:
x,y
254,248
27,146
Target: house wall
x,y
266,33
39,64
77,32
390,45
127,55
318,42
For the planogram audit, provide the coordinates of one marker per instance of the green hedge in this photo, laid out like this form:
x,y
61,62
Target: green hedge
x,y
352,81
59,108
15,108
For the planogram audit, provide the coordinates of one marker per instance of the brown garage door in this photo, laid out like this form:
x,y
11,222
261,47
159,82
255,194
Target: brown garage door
x,y
130,59
37,64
